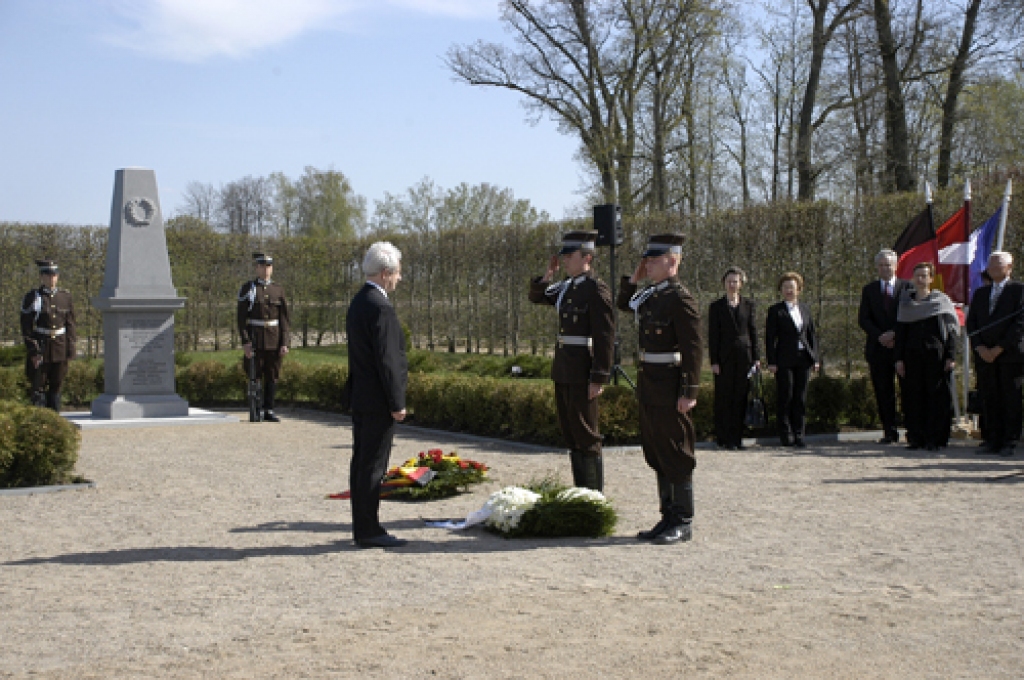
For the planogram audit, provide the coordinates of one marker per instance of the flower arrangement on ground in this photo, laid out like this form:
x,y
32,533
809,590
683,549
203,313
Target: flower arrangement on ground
x,y
431,475
549,509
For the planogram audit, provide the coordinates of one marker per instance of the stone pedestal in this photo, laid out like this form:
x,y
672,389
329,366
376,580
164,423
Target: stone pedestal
x,y
138,302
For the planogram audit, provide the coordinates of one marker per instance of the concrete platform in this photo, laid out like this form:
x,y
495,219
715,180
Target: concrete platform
x,y
196,416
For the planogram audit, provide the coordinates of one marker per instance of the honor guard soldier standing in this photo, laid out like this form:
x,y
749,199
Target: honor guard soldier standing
x,y
263,327
583,355
48,327
668,380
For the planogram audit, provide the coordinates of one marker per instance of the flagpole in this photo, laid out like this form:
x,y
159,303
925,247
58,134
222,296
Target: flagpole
x,y
963,329
1002,218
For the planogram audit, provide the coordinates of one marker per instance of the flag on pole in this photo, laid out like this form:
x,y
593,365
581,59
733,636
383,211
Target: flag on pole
x,y
916,244
953,243
981,247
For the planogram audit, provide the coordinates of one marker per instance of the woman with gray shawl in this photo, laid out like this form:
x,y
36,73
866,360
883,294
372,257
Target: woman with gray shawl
x,y
926,332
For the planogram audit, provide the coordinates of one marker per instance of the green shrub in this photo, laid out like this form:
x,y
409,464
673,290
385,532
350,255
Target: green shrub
x,y
13,384
293,384
210,382
183,359
324,384
862,410
422,361
827,400
83,383
13,355
37,446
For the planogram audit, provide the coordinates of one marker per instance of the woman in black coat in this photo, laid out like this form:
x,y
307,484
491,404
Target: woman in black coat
x,y
926,333
732,346
792,345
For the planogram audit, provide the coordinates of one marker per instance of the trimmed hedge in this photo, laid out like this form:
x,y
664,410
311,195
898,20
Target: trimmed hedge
x,y
37,446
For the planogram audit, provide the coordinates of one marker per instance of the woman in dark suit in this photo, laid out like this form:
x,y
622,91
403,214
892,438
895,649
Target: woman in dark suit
x,y
792,345
732,346
926,334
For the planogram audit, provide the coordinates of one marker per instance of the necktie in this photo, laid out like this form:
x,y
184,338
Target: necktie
x,y
888,296
993,299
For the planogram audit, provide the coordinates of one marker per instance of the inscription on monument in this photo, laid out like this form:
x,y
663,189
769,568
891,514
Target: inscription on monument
x,y
148,340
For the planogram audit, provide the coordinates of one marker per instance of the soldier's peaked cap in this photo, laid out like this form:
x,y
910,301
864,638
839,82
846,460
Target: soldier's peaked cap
x,y
661,244
46,266
578,240
262,258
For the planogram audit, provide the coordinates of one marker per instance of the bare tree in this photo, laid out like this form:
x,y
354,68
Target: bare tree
x,y
199,200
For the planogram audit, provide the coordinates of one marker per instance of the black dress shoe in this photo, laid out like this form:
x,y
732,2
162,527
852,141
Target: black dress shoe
x,y
740,447
785,441
1007,451
676,534
382,541
653,532
799,443
269,417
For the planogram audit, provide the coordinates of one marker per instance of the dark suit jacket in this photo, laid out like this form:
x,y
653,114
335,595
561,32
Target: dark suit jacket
x,y
1010,333
781,336
377,366
732,339
874,319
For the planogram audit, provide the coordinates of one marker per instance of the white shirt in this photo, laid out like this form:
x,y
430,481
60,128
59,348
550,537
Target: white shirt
x,y
383,292
798,321
891,289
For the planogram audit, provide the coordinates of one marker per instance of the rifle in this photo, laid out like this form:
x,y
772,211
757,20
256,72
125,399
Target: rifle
x,y
255,392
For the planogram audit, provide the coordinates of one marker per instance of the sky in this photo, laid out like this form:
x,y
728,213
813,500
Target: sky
x,y
214,90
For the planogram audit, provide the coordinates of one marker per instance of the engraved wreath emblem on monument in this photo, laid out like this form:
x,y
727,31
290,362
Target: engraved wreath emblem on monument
x,y
139,212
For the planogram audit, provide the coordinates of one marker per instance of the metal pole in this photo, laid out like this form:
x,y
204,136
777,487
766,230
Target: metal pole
x,y
1002,217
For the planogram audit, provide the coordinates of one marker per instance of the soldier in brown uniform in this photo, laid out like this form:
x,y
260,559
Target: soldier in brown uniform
x,y
583,355
48,328
263,327
668,380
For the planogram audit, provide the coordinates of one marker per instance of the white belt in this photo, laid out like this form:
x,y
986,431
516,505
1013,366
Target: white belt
x,y
578,340
52,332
674,358
261,322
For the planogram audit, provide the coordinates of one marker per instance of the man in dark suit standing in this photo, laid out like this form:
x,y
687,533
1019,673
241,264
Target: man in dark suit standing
x,y
378,374
877,317
996,315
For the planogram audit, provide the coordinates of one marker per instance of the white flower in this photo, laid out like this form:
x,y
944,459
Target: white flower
x,y
509,505
586,494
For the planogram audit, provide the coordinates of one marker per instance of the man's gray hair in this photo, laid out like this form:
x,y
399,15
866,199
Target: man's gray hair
x,y
1001,255
886,254
382,256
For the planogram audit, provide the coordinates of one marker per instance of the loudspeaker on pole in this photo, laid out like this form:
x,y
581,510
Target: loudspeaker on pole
x,y
608,223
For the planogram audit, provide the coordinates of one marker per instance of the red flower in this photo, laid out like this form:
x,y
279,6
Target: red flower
x,y
463,464
435,452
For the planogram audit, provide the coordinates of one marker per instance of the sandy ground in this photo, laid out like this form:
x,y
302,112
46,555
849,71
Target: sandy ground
x,y
211,551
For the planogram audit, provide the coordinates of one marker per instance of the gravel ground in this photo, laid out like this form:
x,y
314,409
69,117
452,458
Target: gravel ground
x,y
211,551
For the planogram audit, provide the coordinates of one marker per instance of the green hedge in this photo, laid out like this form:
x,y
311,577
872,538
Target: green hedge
x,y
37,446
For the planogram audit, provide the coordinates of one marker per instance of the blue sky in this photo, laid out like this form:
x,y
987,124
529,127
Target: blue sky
x,y
213,90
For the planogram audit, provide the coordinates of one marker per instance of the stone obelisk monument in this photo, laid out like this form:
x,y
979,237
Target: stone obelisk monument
x,y
138,302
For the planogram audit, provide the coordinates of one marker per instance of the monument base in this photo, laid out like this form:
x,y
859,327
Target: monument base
x,y
126,406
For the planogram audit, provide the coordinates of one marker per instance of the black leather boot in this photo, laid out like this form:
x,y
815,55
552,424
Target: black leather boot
x,y
53,401
679,515
592,472
268,403
664,499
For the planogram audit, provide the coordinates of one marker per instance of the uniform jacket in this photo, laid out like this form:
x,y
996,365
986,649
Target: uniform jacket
x,y
378,369
732,338
585,311
1010,333
781,336
51,310
874,319
669,321
258,300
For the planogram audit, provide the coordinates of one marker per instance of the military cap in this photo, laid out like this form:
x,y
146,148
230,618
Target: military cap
x,y
262,258
579,240
660,244
46,266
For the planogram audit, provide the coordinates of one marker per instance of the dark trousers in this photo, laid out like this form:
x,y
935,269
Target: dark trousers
x,y
578,418
731,387
791,400
926,399
371,449
48,378
667,438
268,370
1000,387
883,380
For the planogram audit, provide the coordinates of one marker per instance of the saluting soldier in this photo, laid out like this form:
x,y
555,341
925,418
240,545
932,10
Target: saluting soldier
x,y
583,355
263,327
48,328
668,380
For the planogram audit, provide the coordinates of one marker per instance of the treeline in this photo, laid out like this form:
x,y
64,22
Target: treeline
x,y
464,286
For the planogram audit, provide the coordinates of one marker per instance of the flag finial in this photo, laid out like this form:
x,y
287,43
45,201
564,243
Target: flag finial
x,y
967,190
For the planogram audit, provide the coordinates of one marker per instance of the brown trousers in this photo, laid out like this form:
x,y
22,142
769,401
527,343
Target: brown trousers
x,y
578,418
667,437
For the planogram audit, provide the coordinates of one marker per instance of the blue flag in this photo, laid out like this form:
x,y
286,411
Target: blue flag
x,y
981,247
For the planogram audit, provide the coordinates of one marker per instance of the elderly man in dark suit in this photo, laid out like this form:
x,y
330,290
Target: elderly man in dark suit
x,y
378,375
996,324
877,317
792,345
